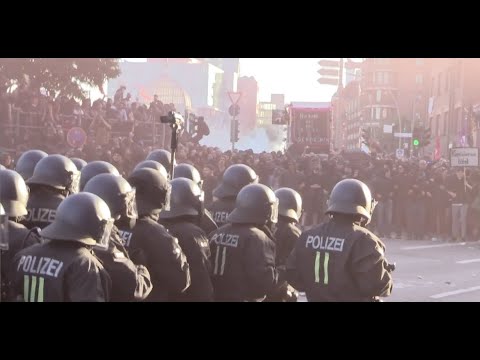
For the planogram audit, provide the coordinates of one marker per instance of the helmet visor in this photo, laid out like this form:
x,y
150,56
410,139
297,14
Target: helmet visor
x,y
104,234
168,195
4,232
131,204
74,185
274,215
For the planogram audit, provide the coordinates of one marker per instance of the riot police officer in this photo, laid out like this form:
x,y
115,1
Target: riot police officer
x,y
149,243
243,251
151,164
79,163
27,161
190,172
341,260
181,220
163,157
64,268
14,197
286,231
234,179
129,281
54,178
95,168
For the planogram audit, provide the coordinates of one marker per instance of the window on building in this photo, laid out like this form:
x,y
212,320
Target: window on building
x,y
419,61
386,78
379,96
432,90
419,79
379,77
378,112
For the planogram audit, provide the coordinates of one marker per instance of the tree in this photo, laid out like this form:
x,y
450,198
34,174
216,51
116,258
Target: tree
x,y
69,77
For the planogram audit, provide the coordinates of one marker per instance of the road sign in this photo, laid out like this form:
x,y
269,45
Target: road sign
x,y
329,63
328,81
403,135
464,157
329,72
234,97
234,110
400,153
76,137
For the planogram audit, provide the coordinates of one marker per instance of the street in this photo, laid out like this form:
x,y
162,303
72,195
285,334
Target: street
x,y
432,271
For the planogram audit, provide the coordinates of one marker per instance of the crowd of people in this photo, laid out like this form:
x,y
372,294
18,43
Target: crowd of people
x,y
417,198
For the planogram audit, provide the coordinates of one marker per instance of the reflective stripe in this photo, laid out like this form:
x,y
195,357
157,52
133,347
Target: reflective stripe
x,y
26,287
224,255
34,285
325,268
215,270
40,289
317,267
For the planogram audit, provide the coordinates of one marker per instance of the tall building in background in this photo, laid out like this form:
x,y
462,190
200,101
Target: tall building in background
x,y
453,100
265,113
248,86
278,100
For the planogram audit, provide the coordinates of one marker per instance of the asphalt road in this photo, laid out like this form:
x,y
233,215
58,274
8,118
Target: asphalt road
x,y
432,271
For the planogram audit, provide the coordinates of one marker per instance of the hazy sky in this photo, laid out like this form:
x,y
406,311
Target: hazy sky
x,y
296,78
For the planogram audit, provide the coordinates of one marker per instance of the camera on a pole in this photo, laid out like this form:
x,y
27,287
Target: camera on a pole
x,y
173,118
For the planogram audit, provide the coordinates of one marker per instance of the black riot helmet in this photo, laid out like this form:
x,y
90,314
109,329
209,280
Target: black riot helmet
x,y
188,171
56,171
79,163
255,204
152,164
289,203
234,179
96,168
13,193
27,161
116,192
3,229
84,218
351,197
162,156
187,199
152,190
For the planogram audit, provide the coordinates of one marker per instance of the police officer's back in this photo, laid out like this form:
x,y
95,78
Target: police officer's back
x,y
190,172
243,251
286,232
64,268
54,178
130,282
14,198
182,221
340,260
149,243
234,179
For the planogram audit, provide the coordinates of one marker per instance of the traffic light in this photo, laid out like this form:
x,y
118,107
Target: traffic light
x,y
417,136
427,137
235,131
